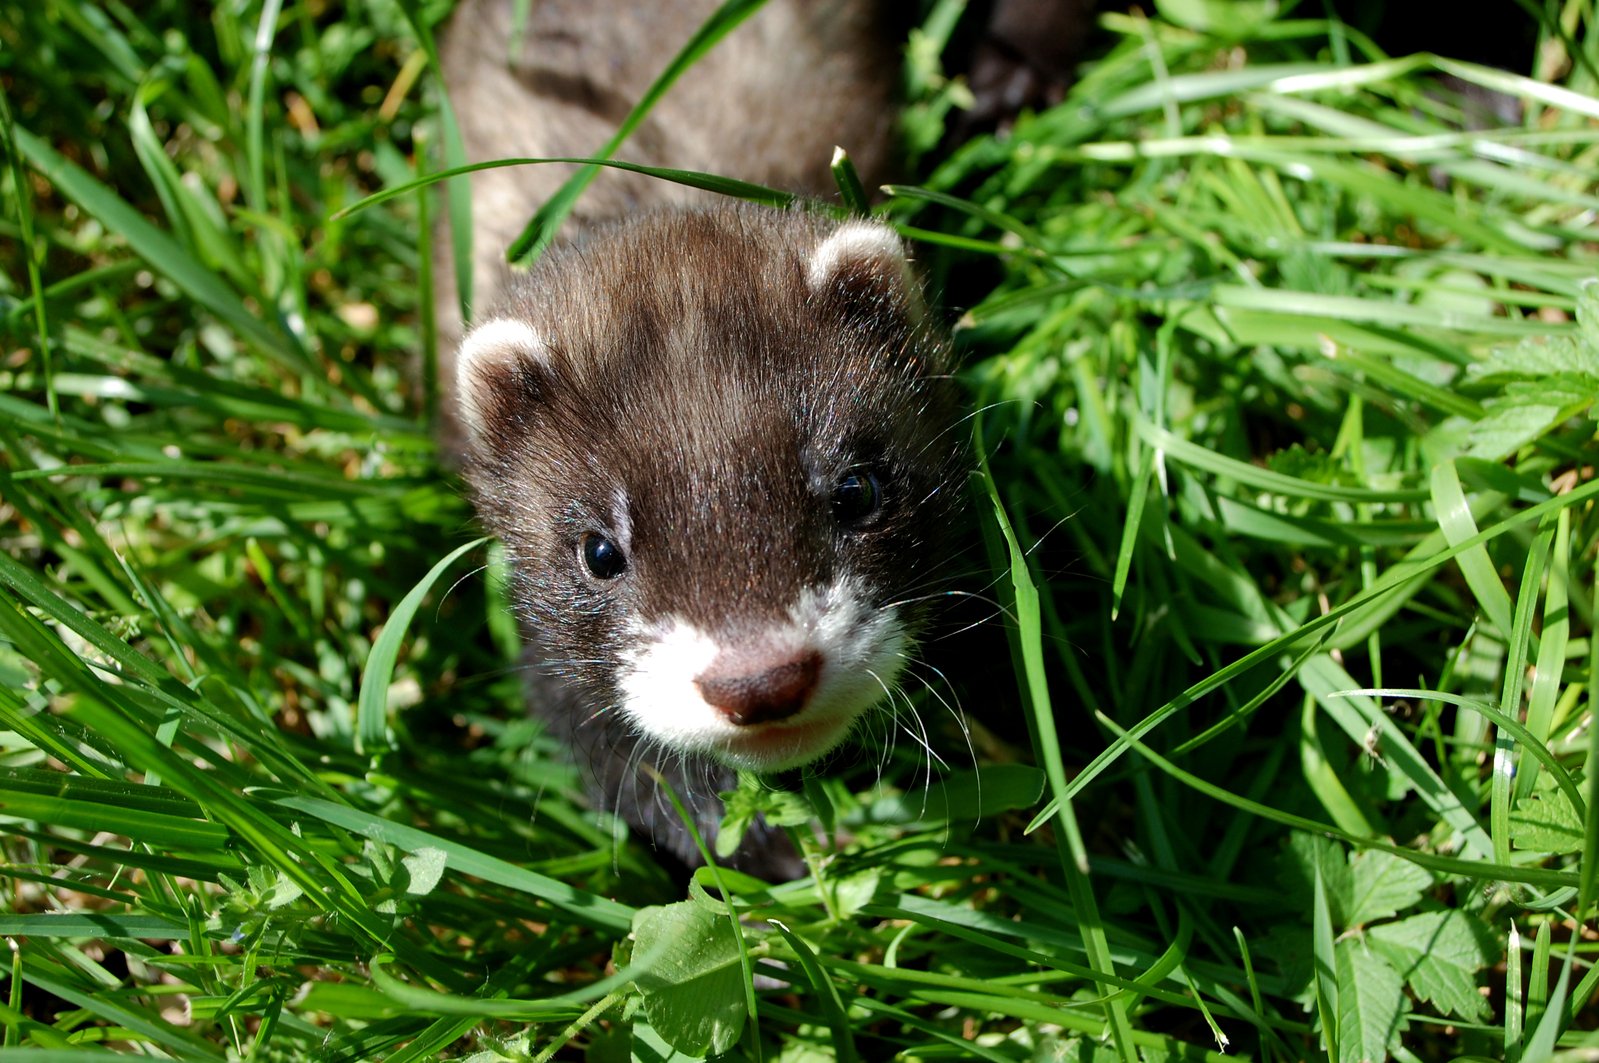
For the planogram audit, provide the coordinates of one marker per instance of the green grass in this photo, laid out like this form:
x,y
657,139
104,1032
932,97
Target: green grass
x,y
1288,389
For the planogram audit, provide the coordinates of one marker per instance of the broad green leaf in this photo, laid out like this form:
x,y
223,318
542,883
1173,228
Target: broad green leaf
x,y
694,993
1353,308
1309,856
1438,954
1576,357
853,892
1568,391
1546,822
1325,980
1509,426
424,868
1371,1003
649,1046
1383,885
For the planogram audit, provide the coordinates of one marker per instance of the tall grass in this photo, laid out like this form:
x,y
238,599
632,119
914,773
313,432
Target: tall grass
x,y
1287,375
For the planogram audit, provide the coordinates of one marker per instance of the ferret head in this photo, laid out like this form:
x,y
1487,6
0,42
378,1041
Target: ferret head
x,y
721,450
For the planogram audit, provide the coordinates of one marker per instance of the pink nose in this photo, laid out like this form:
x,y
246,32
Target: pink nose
x,y
753,691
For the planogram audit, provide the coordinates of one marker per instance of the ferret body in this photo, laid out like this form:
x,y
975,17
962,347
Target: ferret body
x,y
718,442
766,104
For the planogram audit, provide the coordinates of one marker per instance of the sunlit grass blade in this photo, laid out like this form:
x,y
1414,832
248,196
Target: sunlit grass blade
x,y
161,252
371,732
542,227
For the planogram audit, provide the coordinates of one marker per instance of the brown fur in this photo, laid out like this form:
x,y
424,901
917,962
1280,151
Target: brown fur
x,y
690,366
767,104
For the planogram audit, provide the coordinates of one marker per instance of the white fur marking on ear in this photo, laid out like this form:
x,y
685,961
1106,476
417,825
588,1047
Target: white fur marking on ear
x,y
497,340
854,241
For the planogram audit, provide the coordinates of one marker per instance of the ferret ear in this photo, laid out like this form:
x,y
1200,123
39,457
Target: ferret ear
x,y
862,265
500,376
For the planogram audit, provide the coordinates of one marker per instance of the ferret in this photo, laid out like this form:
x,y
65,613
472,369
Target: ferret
x,y
720,449
720,443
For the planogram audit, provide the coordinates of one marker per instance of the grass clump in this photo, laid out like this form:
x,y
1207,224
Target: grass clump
x,y
1288,375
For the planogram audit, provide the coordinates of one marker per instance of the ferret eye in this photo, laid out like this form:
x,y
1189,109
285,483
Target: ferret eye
x,y
601,556
857,498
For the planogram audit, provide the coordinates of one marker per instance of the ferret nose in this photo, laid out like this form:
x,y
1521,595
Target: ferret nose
x,y
753,691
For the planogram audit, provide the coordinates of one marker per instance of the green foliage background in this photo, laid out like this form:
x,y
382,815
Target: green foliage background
x,y
1286,372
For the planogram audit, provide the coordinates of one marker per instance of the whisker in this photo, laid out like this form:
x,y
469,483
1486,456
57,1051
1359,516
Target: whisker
x,y
959,716
451,589
919,735
1053,528
885,747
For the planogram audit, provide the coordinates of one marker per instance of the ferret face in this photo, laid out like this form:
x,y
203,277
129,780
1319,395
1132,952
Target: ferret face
x,y
721,451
